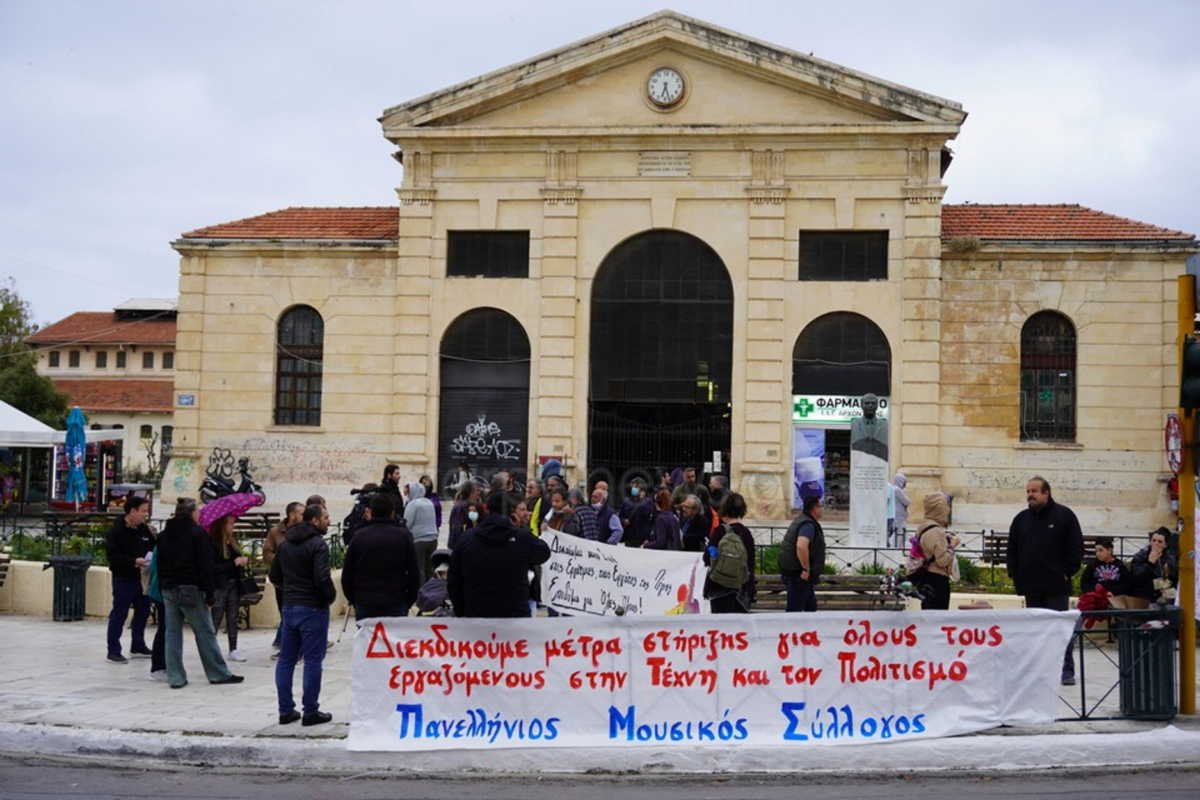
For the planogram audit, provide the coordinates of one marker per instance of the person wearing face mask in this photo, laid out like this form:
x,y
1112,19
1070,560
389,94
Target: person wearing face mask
x,y
607,521
637,514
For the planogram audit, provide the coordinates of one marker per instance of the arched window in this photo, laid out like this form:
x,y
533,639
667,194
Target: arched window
x,y
299,354
484,407
1048,378
660,357
841,354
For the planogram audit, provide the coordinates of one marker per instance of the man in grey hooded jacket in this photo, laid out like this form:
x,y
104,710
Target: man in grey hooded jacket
x,y
421,519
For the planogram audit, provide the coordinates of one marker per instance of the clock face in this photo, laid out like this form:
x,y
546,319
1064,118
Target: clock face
x,y
665,87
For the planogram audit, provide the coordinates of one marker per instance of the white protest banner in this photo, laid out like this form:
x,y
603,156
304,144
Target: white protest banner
x,y
587,577
763,679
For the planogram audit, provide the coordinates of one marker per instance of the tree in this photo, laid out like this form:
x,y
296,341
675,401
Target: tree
x,y
20,385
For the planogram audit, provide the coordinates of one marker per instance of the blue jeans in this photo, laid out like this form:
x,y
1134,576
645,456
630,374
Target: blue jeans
x,y
187,603
800,595
127,592
305,631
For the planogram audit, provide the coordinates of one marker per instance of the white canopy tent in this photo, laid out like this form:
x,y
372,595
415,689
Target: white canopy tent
x,y
18,429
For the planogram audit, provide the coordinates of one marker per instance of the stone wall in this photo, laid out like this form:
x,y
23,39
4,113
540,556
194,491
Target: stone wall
x,y
1122,303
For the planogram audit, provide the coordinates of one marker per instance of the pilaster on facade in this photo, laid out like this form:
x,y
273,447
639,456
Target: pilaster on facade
x,y
767,186
554,396
919,392
415,399
761,462
561,190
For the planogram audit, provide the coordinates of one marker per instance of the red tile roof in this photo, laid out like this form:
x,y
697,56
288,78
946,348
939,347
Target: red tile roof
x,y
119,395
101,327
1048,223
1025,222
370,222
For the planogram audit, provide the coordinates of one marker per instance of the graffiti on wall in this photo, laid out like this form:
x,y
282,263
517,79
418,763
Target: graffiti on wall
x,y
485,440
294,461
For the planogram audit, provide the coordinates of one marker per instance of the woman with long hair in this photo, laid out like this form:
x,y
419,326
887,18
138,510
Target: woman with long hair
x,y
184,565
227,561
664,527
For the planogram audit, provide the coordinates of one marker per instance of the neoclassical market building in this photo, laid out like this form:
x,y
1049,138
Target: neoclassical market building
x,y
672,243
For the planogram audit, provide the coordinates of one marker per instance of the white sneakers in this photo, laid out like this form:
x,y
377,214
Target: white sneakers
x,y
236,655
159,675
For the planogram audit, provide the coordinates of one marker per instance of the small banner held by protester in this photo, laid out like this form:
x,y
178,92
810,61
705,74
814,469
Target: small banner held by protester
x,y
762,679
587,577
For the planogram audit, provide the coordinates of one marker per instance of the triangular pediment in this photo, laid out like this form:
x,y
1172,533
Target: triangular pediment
x,y
731,80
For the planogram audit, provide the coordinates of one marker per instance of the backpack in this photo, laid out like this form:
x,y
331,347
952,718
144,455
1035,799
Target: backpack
x,y
730,569
917,561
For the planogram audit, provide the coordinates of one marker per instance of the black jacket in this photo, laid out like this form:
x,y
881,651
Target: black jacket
x,y
224,570
695,531
381,569
489,569
185,557
392,488
301,567
1045,549
1142,573
124,544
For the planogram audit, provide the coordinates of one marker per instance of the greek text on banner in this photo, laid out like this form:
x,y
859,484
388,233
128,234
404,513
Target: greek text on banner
x,y
762,679
587,577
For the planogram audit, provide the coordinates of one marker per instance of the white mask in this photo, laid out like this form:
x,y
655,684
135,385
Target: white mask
x,y
473,516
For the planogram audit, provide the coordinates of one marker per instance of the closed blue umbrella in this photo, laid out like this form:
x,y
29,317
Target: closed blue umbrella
x,y
76,451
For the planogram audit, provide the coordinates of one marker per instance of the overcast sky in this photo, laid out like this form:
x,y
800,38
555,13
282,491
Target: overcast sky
x,y
127,123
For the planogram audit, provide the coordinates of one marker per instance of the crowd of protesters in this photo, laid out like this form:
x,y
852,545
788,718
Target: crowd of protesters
x,y
496,546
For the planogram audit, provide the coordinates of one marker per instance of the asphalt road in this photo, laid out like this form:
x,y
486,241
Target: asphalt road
x,y
29,779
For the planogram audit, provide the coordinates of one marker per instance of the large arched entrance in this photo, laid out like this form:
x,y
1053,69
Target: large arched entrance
x,y
838,358
661,353
484,416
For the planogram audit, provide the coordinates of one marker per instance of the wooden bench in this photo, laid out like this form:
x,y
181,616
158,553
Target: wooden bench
x,y
834,593
255,524
995,548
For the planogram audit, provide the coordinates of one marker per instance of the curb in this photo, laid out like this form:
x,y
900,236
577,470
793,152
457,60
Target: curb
x,y
981,754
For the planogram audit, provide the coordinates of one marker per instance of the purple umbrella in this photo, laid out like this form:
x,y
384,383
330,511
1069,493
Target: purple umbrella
x,y
230,505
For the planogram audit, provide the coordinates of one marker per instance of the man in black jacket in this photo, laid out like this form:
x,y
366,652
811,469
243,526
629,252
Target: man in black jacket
x,y
489,568
1045,549
128,543
390,485
301,565
380,577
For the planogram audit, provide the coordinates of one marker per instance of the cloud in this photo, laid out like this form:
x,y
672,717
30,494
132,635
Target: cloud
x,y
128,123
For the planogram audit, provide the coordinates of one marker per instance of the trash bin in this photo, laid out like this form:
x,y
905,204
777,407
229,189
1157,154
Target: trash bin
x,y
70,586
1146,660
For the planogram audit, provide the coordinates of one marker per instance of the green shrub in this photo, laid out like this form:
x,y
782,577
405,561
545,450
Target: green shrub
x,y
768,560
874,568
969,572
30,548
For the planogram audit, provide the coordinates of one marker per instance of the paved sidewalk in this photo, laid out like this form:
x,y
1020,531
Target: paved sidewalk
x,y
58,696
